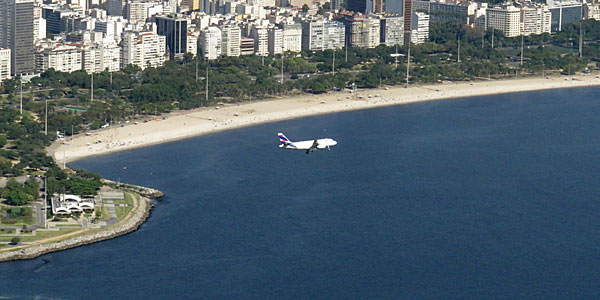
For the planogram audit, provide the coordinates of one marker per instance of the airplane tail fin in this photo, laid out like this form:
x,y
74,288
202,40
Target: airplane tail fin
x,y
284,140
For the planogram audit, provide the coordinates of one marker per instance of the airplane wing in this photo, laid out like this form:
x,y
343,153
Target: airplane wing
x,y
313,147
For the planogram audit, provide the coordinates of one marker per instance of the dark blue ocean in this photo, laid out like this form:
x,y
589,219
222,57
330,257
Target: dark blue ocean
x,y
494,197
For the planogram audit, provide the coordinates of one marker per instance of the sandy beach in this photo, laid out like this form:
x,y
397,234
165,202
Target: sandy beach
x,y
186,124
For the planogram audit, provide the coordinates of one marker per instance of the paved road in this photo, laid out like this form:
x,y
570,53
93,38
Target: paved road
x,y
40,213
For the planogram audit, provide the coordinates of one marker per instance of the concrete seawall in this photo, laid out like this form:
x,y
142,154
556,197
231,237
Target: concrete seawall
x,y
137,217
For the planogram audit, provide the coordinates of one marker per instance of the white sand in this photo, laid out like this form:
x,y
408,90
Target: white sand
x,y
206,120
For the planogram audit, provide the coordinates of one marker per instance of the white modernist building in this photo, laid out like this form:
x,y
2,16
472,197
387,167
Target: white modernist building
x,y
65,205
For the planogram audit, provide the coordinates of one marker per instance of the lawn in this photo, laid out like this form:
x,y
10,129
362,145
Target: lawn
x,y
123,211
5,219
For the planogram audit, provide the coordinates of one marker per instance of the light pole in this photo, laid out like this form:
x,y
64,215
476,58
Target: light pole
x,y
45,202
46,119
458,60
21,107
522,48
581,32
92,89
333,64
207,80
408,62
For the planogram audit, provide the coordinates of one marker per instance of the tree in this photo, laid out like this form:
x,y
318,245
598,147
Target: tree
x,y
304,8
3,140
16,240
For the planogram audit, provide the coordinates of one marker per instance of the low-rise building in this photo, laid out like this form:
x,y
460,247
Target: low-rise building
x,y
66,205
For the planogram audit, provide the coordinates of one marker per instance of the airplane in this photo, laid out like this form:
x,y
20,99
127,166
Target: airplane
x,y
309,146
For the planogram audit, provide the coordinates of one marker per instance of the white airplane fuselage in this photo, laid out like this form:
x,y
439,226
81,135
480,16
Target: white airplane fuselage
x,y
305,145
308,146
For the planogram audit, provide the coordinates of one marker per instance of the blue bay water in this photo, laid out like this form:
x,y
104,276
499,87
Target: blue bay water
x,y
492,197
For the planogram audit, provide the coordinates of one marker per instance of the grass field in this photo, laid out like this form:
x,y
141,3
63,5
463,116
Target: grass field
x,y
123,211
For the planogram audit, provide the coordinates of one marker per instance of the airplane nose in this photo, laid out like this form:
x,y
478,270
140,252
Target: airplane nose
x,y
333,143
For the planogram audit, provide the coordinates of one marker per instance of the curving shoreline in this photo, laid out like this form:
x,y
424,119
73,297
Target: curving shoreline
x,y
188,124
193,123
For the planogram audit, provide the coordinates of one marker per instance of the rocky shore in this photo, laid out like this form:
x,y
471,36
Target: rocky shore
x,y
137,216
141,190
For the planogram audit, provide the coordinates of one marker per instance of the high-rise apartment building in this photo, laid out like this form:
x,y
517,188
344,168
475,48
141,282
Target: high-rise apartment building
x,y
4,64
392,30
313,34
275,40
16,33
39,29
535,20
63,58
175,30
140,10
99,57
143,49
334,35
419,28
506,19
210,42
292,37
231,38
363,31
192,42
261,40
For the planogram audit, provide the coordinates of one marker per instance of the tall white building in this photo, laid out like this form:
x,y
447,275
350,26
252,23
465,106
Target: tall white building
x,y
63,58
313,34
231,38
4,64
507,20
292,37
39,29
275,40
99,57
419,25
140,10
192,42
535,20
392,30
143,49
372,29
334,34
261,40
210,42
